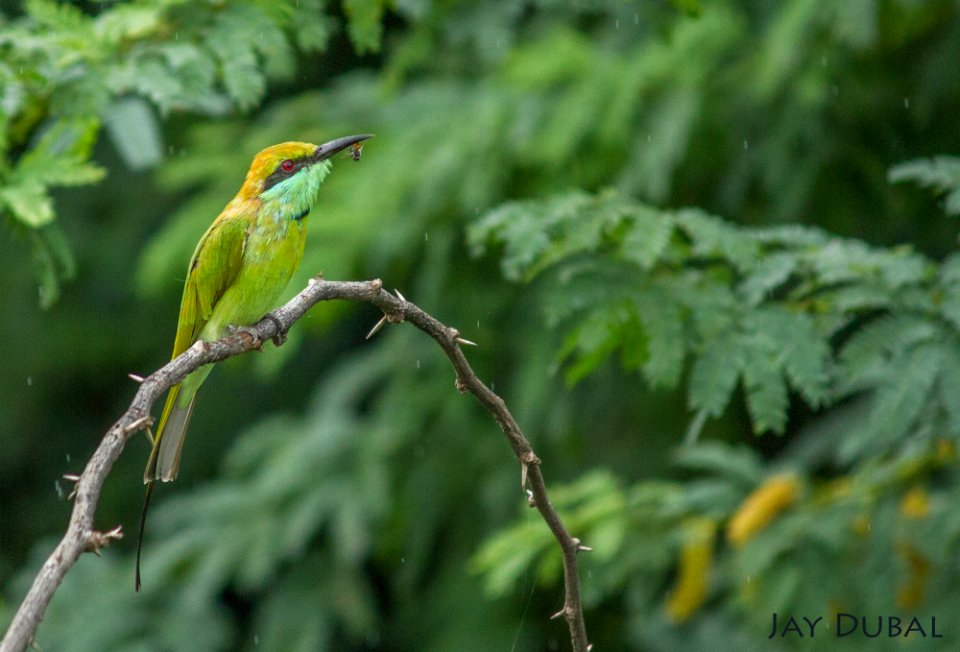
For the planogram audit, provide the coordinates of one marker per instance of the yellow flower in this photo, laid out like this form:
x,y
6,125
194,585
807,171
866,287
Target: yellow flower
x,y
861,525
910,593
762,506
946,451
915,503
693,575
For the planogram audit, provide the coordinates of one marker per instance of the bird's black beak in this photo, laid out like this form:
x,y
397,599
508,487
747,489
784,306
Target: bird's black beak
x,y
327,150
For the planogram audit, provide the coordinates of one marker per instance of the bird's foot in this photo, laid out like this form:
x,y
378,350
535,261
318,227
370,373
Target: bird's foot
x,y
248,334
281,335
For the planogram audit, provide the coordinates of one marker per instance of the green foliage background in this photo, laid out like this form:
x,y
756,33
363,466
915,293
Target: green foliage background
x,y
701,244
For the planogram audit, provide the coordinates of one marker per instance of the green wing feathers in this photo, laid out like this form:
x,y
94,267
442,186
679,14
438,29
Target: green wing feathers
x,y
213,268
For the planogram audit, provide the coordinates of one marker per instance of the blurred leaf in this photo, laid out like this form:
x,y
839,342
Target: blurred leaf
x,y
940,173
134,132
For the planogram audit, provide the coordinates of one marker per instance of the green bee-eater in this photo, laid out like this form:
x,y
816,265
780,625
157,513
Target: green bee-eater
x,y
238,271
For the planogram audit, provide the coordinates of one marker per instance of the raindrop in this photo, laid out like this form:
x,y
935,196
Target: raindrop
x,y
636,19
823,60
418,364
403,560
618,23
493,387
589,574
58,489
256,639
176,36
746,145
29,381
906,102
426,237
648,138
68,457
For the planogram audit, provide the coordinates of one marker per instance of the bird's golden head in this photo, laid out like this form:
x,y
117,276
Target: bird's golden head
x,y
279,163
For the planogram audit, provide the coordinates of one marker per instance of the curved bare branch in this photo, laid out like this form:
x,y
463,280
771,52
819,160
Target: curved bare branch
x,y
82,537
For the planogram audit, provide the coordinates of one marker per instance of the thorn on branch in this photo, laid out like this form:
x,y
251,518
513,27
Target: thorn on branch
x,y
388,317
75,479
397,292
135,377
579,547
454,336
562,612
376,327
98,540
139,424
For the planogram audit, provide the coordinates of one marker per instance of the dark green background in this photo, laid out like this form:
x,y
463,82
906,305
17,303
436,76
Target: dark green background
x,y
339,493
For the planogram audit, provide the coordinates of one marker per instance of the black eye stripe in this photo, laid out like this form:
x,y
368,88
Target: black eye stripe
x,y
279,174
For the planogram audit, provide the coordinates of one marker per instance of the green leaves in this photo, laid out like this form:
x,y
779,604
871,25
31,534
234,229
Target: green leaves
x,y
365,23
761,308
940,173
59,158
63,70
29,203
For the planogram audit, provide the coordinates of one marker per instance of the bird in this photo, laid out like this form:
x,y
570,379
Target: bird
x,y
237,272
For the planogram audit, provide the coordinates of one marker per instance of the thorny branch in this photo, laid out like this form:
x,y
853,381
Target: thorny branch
x,y
82,537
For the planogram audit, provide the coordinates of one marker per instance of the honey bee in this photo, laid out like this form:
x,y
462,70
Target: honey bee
x,y
355,152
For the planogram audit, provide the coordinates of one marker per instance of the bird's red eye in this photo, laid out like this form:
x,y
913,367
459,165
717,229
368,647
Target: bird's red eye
x,y
287,165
